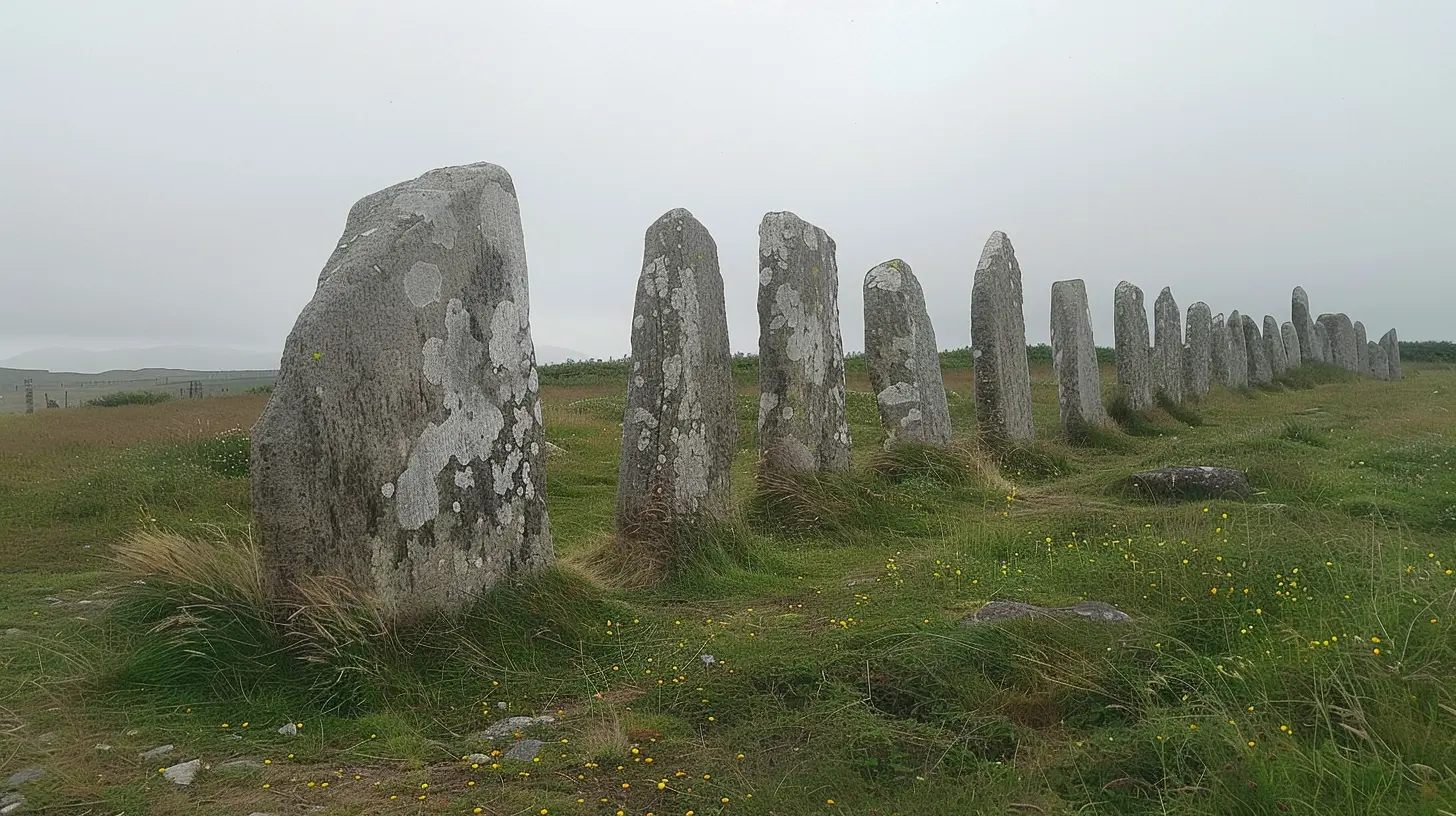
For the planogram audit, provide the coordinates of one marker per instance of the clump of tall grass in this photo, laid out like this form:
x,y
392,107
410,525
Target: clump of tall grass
x,y
119,398
1132,423
948,467
1312,373
1304,433
1179,411
657,545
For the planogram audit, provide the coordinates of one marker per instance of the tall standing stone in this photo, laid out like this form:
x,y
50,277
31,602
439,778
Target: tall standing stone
x,y
680,428
1303,320
1292,354
903,358
998,345
1132,346
1274,347
1238,352
1341,334
801,421
1074,356
1198,369
1322,348
1220,352
1391,343
1168,346
1258,358
1362,350
1376,359
402,449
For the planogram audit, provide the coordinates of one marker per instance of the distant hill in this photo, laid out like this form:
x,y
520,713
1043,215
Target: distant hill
x,y
185,358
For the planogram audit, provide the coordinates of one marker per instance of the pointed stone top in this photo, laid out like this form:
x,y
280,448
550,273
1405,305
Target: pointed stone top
x,y
1167,292
997,244
1124,286
889,276
674,214
1300,295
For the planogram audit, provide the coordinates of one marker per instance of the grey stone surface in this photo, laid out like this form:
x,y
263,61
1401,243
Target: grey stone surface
x,y
998,345
1074,359
1238,358
1133,346
998,611
1220,351
1376,359
1258,356
1362,360
1290,337
1190,482
156,753
238,767
31,773
1168,346
680,428
903,358
1322,349
402,447
12,804
1303,320
1341,334
183,773
1274,347
524,750
802,426
1198,368
511,725
1390,341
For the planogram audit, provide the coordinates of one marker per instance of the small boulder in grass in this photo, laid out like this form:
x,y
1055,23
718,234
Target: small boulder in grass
x,y
1187,483
998,611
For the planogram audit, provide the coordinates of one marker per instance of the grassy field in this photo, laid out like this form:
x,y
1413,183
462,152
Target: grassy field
x,y
1292,653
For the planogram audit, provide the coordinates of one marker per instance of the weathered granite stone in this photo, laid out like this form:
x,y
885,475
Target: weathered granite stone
x,y
802,426
1168,346
998,611
1322,348
1292,354
903,358
1375,357
156,753
1198,371
511,725
1341,333
183,772
1074,359
524,750
1303,320
1259,370
402,447
25,775
1274,347
680,429
1190,482
998,345
1133,346
1391,343
1238,352
1220,352
1362,361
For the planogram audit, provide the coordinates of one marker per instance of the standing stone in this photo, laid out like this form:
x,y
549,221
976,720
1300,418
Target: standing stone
x,y
1322,347
1274,347
903,358
680,428
402,449
802,426
1391,343
1362,349
998,345
1341,334
1168,346
1130,336
1220,352
1199,368
1238,352
1303,320
1292,354
1258,365
1379,365
1074,357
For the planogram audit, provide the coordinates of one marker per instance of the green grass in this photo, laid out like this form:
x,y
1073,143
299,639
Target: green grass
x,y
1248,682
117,398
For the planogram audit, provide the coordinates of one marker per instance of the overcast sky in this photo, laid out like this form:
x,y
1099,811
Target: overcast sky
x,y
178,172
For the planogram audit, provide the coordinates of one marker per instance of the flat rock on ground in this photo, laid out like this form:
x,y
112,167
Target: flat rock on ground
x,y
183,772
997,611
1190,482
525,750
510,725
25,775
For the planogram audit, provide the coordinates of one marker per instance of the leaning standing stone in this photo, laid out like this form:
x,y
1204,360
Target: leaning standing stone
x,y
1362,350
1238,352
801,421
1292,355
1391,343
1198,370
1074,356
1322,348
1258,366
1379,365
1303,320
1220,352
1130,336
998,345
1168,346
903,358
402,448
1341,334
680,429
1274,347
